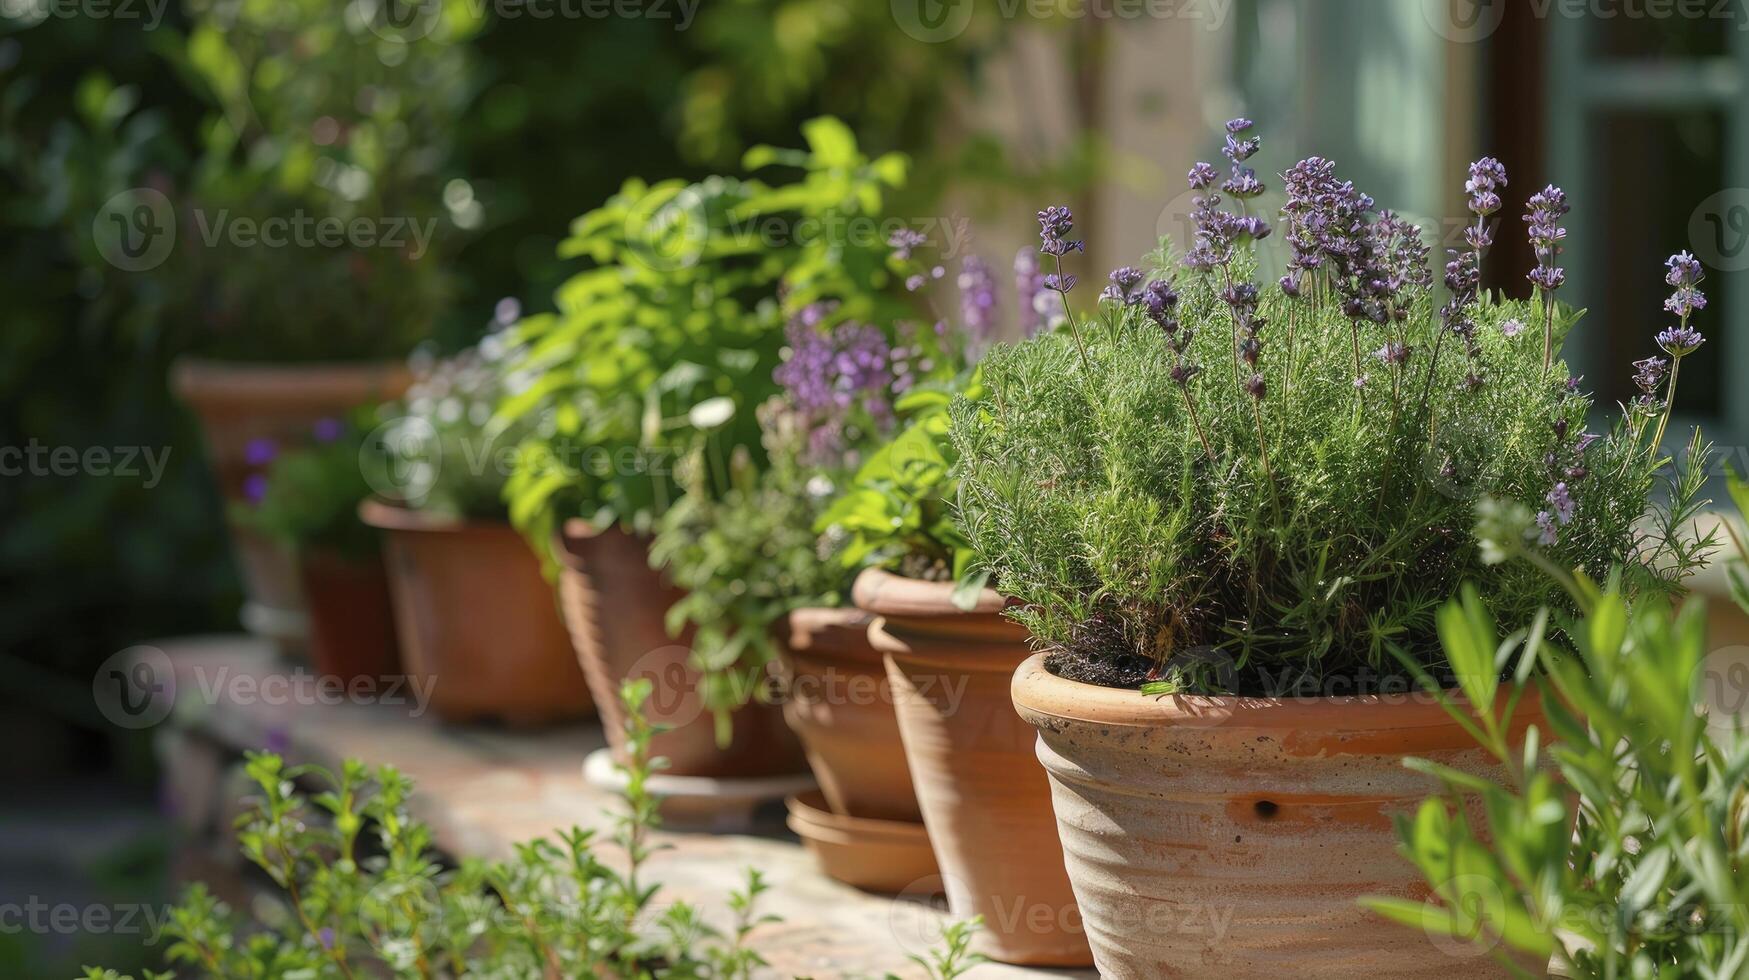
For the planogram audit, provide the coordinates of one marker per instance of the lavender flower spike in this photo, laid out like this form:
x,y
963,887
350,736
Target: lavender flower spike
x,y
1679,342
1126,286
1054,225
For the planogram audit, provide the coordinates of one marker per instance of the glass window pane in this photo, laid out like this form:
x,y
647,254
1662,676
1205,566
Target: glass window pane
x,y
1668,29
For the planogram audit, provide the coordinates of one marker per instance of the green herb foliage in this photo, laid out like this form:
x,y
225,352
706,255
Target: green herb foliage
x,y
665,346
1227,542
311,494
1618,840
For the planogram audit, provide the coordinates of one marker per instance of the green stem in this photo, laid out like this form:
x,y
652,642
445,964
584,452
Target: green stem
x,y
1669,404
1069,315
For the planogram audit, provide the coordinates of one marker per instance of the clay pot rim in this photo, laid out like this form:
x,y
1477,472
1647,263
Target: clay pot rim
x,y
1039,694
886,594
830,632
385,516
208,383
809,809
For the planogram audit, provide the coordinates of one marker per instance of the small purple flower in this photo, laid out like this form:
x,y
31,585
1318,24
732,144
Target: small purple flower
x,y
1290,286
1680,342
260,452
1183,371
1360,382
1546,209
1125,287
1243,184
1161,302
1562,503
1251,226
1239,125
1392,353
1202,176
977,285
1061,284
328,430
1256,387
1030,292
1546,523
1685,274
904,241
1584,442
915,282
255,488
1055,223
1512,328
1649,374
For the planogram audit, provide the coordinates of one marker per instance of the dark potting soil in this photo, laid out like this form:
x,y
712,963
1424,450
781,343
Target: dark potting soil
x,y
1123,670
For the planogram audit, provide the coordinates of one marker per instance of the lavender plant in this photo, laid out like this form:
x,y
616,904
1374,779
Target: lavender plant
x,y
1202,484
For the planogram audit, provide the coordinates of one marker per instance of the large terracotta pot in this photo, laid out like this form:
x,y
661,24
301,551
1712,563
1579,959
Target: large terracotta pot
x,y
840,704
984,798
615,605
239,403
352,623
477,620
1231,837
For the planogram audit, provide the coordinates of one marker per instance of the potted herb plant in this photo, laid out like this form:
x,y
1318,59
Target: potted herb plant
x,y
1228,513
1617,850
476,616
307,249
647,383
949,654
305,501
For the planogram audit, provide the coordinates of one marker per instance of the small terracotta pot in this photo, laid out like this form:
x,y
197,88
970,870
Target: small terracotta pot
x,y
615,605
477,621
984,798
352,623
887,856
840,704
1231,837
238,403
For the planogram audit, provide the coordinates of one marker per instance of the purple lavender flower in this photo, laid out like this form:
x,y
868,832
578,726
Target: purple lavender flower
x,y
1546,523
1161,302
1679,342
1055,223
260,452
1512,328
977,285
829,374
327,430
1202,176
1649,374
1062,283
1031,293
1546,209
1125,287
1393,353
255,488
1290,286
1685,274
1256,387
1487,176
1239,125
1562,503
904,241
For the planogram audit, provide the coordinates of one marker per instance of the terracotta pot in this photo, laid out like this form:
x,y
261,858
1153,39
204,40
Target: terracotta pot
x,y
477,621
1231,837
352,624
615,605
840,704
887,856
984,798
238,403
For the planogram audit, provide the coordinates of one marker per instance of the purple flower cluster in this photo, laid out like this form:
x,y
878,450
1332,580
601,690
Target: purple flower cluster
x,y
977,285
1038,305
1329,235
904,241
1546,209
831,373
1125,287
1684,274
1054,225
1218,231
1649,376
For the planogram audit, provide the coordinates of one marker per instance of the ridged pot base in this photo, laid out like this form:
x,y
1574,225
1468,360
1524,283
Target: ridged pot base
x,y
1232,837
